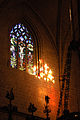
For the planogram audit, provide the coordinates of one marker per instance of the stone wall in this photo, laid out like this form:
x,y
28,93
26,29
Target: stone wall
x,y
27,88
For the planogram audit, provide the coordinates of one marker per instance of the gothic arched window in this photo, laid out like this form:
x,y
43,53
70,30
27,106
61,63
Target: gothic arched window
x,y
23,53
21,47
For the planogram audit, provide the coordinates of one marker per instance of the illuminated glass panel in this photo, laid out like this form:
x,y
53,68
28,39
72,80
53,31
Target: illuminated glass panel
x,y
30,55
43,71
21,48
22,55
13,49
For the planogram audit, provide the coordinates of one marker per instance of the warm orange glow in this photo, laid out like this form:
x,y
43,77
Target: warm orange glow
x,y
44,78
45,66
41,61
34,68
43,71
47,79
37,67
50,72
46,71
53,81
38,77
50,76
70,14
52,96
41,74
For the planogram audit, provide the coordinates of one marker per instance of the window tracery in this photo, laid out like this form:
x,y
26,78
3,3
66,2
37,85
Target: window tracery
x,y
22,54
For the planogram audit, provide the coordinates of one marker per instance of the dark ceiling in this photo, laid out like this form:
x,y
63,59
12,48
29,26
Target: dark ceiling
x,y
47,9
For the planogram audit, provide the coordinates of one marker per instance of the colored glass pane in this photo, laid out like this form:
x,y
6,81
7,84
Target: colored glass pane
x,y
13,49
30,55
21,48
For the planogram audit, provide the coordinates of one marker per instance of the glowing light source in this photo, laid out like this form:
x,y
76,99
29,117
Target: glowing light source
x,y
53,81
43,72
50,72
41,69
46,71
44,78
45,66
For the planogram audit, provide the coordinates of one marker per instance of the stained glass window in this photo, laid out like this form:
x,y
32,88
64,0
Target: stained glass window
x,y
21,47
22,54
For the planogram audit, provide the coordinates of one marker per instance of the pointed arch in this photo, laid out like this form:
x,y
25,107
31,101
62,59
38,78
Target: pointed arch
x,y
21,48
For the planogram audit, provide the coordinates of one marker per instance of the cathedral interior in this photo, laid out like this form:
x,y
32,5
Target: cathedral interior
x,y
39,59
